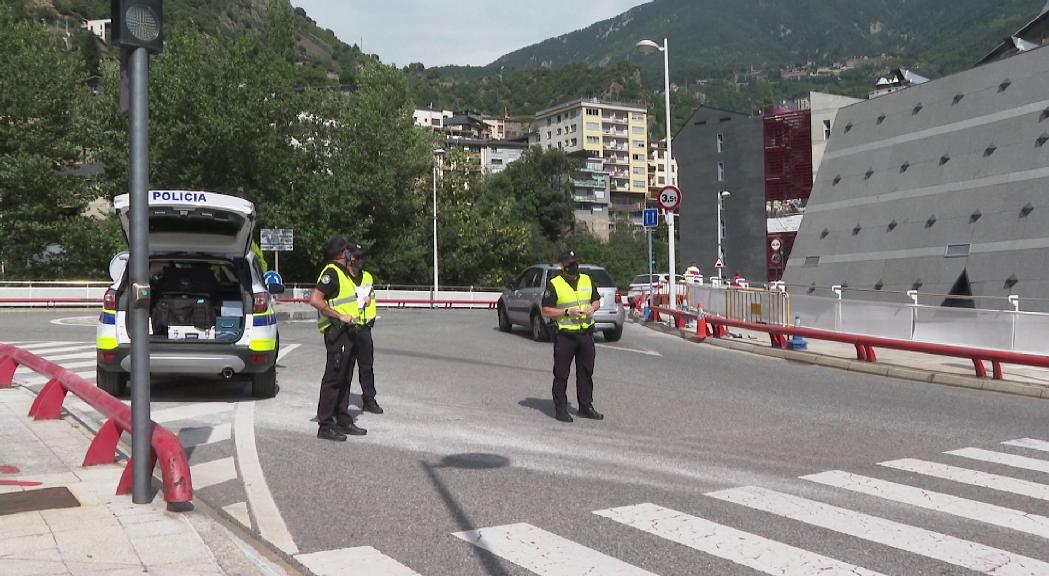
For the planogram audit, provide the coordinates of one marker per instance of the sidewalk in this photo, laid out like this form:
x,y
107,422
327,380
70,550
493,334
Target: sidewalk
x,y
949,371
57,517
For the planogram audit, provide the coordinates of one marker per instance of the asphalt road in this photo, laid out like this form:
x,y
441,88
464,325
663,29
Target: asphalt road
x,y
716,440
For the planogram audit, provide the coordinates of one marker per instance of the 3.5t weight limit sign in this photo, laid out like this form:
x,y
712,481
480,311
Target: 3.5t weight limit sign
x,y
669,198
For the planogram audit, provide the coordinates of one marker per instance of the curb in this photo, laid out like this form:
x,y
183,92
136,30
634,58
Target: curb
x,y
877,369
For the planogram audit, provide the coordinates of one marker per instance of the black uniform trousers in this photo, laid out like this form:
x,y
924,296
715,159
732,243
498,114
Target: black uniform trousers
x,y
580,347
345,347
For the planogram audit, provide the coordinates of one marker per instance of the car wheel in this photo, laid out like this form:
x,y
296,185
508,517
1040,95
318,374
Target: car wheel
x,y
504,320
614,334
264,385
539,332
112,383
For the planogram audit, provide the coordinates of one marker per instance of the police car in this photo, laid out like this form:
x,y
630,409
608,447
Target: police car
x,y
211,314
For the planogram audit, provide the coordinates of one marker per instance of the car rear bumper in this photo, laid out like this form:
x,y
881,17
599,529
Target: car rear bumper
x,y
202,359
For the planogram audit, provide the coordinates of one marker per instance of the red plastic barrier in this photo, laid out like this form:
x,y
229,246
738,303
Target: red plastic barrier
x,y
865,345
167,450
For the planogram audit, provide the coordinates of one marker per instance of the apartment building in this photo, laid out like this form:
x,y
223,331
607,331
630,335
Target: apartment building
x,y
613,132
432,118
658,177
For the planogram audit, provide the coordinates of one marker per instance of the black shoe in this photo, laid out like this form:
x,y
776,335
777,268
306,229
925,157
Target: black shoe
x,y
564,416
373,407
351,429
329,433
589,412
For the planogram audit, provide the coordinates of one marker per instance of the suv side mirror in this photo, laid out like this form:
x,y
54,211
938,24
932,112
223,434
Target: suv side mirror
x,y
275,289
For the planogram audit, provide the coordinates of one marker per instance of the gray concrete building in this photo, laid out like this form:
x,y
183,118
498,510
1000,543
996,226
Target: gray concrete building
x,y
941,187
720,150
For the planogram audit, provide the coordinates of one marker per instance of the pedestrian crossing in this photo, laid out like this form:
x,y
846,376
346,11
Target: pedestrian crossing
x,y
939,539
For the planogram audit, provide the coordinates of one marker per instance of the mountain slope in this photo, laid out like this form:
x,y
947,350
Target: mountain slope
x,y
710,38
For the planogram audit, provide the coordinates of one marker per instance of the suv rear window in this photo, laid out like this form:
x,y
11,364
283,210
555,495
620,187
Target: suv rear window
x,y
643,279
600,276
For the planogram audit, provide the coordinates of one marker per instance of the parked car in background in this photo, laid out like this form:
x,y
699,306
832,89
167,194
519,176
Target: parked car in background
x,y
641,284
522,302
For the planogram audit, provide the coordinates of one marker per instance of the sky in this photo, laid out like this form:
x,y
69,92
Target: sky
x,y
465,32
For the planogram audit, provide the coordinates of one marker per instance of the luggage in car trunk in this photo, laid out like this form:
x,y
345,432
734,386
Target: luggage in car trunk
x,y
197,310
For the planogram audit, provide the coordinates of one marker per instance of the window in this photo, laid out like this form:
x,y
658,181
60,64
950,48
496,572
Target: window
x,y
558,117
593,140
956,251
639,143
661,167
637,116
549,135
639,184
812,260
497,161
638,170
592,126
575,142
548,121
435,122
662,180
826,129
559,131
721,144
638,129
721,171
638,157
593,112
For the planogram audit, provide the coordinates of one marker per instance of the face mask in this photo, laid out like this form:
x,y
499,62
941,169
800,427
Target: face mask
x,y
357,262
572,269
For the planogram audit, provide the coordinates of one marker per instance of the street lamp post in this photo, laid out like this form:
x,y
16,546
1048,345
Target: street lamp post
x,y
436,158
649,47
721,227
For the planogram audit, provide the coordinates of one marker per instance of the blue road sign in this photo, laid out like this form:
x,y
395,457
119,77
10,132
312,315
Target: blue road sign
x,y
651,217
272,277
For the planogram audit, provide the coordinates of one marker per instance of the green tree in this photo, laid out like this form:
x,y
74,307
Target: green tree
x,y
41,102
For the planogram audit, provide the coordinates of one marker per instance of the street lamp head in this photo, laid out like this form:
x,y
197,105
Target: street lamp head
x,y
438,152
648,47
725,194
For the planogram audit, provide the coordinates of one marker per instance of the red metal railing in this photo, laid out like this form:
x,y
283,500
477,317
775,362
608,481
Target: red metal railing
x,y
167,450
715,326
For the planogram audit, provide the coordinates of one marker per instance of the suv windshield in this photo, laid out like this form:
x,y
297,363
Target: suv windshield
x,y
600,276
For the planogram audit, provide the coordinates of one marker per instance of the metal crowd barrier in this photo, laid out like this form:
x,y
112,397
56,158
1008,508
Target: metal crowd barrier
x,y
167,449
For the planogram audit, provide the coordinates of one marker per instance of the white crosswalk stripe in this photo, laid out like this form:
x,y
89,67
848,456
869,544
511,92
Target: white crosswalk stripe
x,y
1002,458
545,553
1030,443
748,550
191,411
73,356
949,549
360,561
961,507
972,477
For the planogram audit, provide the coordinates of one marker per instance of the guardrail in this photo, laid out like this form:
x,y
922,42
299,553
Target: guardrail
x,y
167,450
708,325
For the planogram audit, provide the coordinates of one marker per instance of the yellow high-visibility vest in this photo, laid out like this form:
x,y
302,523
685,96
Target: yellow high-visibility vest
x,y
345,302
578,299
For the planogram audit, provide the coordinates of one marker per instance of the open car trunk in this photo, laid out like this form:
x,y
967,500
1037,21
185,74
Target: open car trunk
x,y
198,299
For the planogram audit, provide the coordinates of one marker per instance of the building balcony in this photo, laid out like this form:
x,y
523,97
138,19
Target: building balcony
x,y
598,185
617,161
615,120
615,134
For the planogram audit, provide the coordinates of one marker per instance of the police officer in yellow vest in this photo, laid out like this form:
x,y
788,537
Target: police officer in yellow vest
x,y
346,311
571,300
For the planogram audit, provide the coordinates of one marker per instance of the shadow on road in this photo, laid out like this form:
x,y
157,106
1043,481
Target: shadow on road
x,y
491,564
544,405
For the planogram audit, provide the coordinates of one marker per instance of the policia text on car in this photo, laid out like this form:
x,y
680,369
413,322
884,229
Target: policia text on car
x,y
343,298
571,300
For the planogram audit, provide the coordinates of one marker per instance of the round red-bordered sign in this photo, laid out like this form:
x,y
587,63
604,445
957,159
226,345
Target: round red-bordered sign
x,y
669,198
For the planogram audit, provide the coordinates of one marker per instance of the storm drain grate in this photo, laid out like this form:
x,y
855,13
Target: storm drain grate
x,y
33,500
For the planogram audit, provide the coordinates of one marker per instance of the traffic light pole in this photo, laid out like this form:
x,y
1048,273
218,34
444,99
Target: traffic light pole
x,y
138,184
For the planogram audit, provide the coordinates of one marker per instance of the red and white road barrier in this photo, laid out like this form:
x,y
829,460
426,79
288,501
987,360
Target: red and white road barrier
x,y
167,450
708,325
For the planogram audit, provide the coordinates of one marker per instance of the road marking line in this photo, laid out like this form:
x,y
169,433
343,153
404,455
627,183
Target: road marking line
x,y
286,350
361,561
271,525
33,381
191,411
239,512
545,553
76,321
201,436
1031,443
54,349
736,546
621,349
215,472
33,346
1002,458
971,477
942,547
953,505
69,366
75,356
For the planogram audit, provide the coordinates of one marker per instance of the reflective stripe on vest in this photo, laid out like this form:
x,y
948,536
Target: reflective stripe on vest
x,y
345,302
579,299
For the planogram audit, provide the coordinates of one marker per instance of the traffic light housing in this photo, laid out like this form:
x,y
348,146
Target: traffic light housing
x,y
138,24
